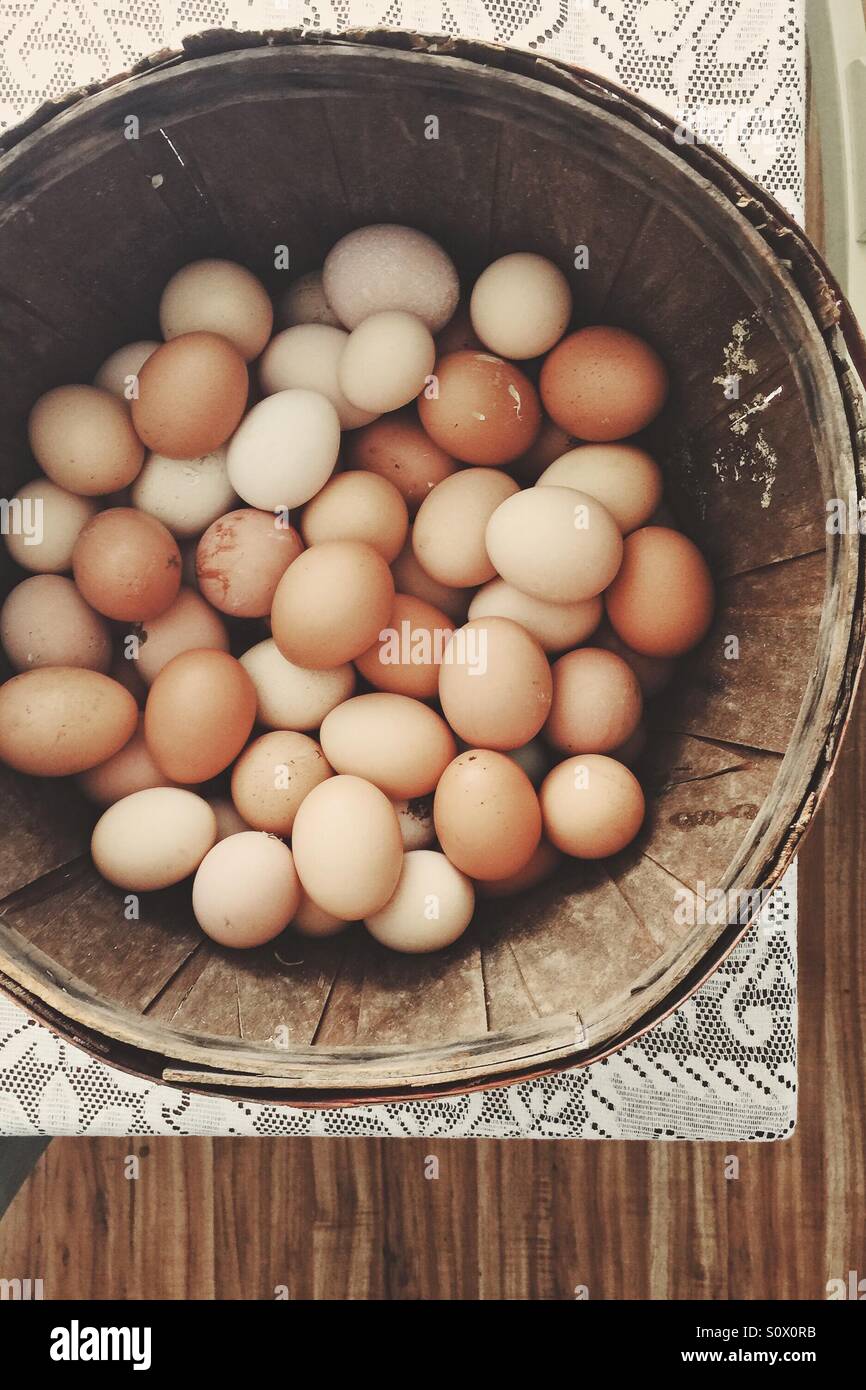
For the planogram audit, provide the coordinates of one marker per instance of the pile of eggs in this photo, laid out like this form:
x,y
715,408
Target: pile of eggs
x,y
365,629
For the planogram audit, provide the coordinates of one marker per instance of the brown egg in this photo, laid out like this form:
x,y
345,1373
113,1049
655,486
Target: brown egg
x,y
396,448
358,507
331,604
199,714
551,443
347,847
273,775
624,478
603,383
448,535
654,673
127,565
241,559
495,684
83,439
59,720
411,578
661,602
597,702
486,410
45,622
131,769
188,625
544,862
192,393
246,890
487,815
398,744
406,656
556,626
592,806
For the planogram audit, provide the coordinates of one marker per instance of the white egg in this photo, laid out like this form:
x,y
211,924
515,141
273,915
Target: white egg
x,y
285,450
308,356
386,266
153,838
186,495
415,818
386,361
431,906
290,696
216,296
119,372
44,523
521,305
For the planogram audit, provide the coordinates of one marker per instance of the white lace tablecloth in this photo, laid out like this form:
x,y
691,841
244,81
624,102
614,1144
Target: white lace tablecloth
x,y
724,1065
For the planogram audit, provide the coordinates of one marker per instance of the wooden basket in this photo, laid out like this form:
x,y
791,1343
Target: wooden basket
x,y
240,145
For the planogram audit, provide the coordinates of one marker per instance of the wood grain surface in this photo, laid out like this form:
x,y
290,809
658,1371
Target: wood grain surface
x,y
362,1218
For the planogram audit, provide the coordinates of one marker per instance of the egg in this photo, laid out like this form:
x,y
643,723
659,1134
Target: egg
x,y
124,670
386,266
199,715
661,602
486,814
59,720
554,543
415,817
480,409
331,604
396,448
45,622
654,673
397,743
273,775
411,578
228,819
624,478
495,684
544,862
555,626
241,559
550,443
186,495
83,438
358,507
603,383
308,356
521,305
246,890
45,523
215,296
153,838
285,450
597,702
347,847
533,757
407,654
127,565
448,537
192,393
131,769
305,302
431,907
592,806
312,920
119,372
386,361
290,696
189,624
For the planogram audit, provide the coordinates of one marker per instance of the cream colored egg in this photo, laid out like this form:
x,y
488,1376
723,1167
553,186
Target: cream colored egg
x,y
410,577
290,696
285,450
83,438
386,361
555,544
45,521
624,478
130,770
153,838
308,356
449,532
387,266
119,372
591,805
555,626
45,622
313,921
393,741
190,624
186,495
215,296
228,818
432,905
358,507
246,890
305,302
416,822
521,305
347,846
